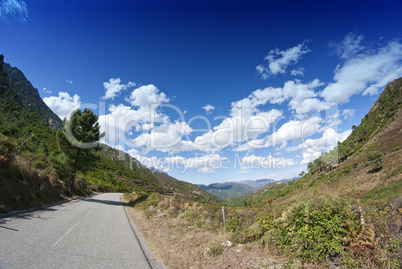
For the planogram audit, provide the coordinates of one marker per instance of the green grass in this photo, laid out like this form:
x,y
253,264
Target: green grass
x,y
397,171
387,192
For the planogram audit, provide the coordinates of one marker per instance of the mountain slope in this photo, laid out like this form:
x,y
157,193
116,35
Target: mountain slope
x,y
256,184
349,170
185,189
31,98
164,182
228,189
29,151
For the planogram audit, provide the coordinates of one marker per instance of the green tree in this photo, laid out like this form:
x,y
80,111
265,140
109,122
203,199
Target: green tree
x,y
310,166
375,156
77,142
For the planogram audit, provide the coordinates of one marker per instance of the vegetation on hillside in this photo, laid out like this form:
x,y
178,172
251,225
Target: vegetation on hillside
x,y
318,218
228,189
38,165
381,114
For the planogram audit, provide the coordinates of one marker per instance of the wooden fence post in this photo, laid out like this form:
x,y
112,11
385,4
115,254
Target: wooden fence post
x,y
361,217
223,214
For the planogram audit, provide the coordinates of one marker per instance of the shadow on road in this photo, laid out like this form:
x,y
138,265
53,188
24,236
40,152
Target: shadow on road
x,y
107,202
7,228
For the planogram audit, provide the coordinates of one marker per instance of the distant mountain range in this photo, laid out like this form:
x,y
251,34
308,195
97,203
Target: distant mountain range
x,y
258,183
232,189
228,189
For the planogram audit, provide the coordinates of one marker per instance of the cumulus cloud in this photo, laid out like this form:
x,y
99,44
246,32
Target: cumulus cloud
x,y
265,162
47,91
313,148
208,108
279,60
295,130
348,113
69,81
301,97
204,163
207,163
146,96
298,72
14,7
245,122
63,105
166,137
363,72
153,129
114,87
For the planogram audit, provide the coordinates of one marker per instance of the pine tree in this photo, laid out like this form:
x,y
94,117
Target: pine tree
x,y
78,140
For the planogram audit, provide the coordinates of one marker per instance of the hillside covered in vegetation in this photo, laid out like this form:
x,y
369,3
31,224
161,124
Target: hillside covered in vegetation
x,y
31,162
346,211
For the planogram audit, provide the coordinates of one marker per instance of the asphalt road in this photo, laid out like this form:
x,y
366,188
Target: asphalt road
x,y
87,233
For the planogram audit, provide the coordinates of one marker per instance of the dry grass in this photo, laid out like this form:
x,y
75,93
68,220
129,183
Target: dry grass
x,y
177,245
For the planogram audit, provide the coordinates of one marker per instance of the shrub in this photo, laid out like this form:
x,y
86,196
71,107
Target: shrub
x,y
215,251
39,164
315,229
374,156
397,171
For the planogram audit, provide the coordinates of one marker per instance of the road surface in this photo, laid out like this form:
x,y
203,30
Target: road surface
x,y
87,233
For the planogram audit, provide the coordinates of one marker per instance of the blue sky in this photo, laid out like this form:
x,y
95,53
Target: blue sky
x,y
210,91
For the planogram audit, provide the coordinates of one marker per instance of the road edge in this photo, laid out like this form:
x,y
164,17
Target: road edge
x,y
151,258
33,209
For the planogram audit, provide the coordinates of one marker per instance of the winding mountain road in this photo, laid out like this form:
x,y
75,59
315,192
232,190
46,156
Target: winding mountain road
x,y
87,233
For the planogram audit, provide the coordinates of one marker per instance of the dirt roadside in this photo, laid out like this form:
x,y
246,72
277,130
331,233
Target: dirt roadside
x,y
179,246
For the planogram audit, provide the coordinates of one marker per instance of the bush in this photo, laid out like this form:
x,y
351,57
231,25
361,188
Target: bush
x,y
215,251
374,156
39,164
315,229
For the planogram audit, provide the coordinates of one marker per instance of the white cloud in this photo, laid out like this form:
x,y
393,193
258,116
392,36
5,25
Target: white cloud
x,y
242,172
364,72
14,7
69,81
268,162
166,137
207,163
208,108
150,162
350,46
295,130
146,96
143,117
298,72
246,121
63,105
114,87
301,96
313,148
348,113
47,91
279,60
